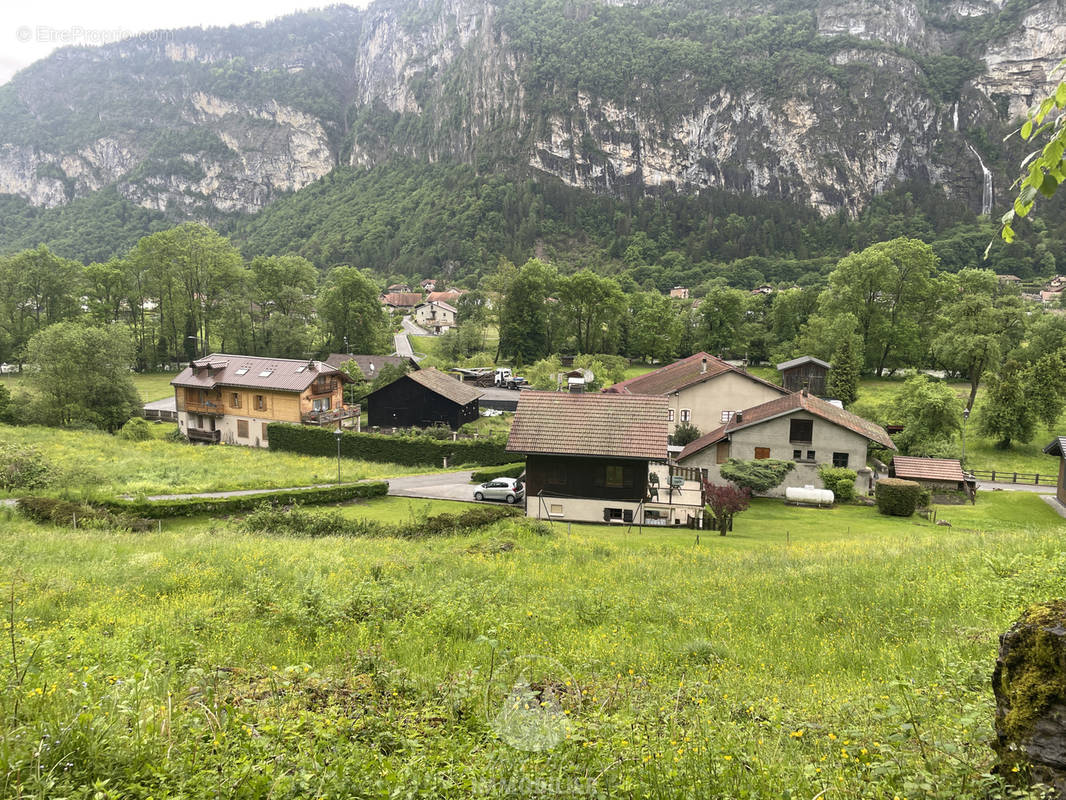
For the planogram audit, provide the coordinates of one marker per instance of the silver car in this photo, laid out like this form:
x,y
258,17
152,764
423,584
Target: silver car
x,y
510,490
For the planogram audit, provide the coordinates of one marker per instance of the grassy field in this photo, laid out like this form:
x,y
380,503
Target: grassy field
x,y
151,385
98,463
834,652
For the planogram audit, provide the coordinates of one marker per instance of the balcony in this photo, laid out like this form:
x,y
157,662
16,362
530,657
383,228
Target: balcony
x,y
206,407
330,417
200,435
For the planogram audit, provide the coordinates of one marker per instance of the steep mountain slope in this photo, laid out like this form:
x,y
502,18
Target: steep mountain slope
x,y
825,103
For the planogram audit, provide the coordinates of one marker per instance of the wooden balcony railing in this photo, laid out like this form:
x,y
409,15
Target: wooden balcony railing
x,y
206,407
200,435
329,417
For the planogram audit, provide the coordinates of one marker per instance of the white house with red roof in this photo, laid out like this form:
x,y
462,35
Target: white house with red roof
x,y
701,389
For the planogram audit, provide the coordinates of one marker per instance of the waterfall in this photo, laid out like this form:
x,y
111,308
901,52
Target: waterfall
x,y
955,117
986,194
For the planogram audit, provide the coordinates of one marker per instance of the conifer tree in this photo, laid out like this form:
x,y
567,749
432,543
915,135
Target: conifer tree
x,y
842,382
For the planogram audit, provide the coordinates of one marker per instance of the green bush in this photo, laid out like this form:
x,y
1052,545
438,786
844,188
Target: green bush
x,y
298,522
840,480
136,430
228,505
382,449
23,468
897,497
506,471
54,511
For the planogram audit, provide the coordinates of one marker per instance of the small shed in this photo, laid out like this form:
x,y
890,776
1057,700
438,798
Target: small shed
x,y
423,399
936,474
1058,448
805,372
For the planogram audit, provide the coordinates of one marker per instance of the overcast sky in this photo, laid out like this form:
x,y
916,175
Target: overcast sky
x,y
31,30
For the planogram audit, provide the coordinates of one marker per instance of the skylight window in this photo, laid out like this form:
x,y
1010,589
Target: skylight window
x,y
301,369
242,371
266,373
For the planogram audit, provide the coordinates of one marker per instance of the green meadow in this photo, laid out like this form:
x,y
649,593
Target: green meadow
x,y
810,653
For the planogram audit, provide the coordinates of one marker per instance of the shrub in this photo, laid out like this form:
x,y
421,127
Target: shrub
x,y
136,430
298,522
54,511
840,480
408,450
23,468
897,497
506,471
684,433
760,475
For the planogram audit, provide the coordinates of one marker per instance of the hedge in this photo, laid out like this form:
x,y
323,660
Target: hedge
x,y
227,505
298,522
506,471
54,511
897,497
840,480
410,451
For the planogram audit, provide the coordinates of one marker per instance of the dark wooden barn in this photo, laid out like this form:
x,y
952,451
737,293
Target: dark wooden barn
x,y
1058,448
805,372
422,399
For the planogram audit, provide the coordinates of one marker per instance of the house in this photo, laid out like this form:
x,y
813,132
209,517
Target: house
x,y
805,372
232,398
422,399
601,458
680,292
798,427
435,316
936,474
398,287
764,289
1009,280
1058,448
401,301
701,389
371,366
429,285
451,296
1049,296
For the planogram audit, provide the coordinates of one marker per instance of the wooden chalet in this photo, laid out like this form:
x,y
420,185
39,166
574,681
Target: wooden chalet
x,y
805,372
423,399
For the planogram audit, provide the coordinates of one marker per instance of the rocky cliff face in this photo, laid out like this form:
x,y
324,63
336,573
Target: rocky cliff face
x,y
225,126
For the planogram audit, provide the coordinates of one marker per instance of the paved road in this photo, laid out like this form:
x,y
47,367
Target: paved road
x,y
413,330
988,486
441,486
402,345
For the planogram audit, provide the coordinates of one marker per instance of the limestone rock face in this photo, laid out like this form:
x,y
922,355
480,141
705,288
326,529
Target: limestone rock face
x,y
1029,682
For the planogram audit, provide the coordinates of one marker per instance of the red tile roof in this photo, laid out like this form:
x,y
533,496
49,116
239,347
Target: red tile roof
x,y
605,425
929,469
782,406
681,374
402,299
448,295
285,374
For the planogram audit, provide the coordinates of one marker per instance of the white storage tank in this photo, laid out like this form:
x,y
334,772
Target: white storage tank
x,y
809,495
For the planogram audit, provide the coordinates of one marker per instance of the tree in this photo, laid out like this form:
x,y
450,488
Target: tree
x,y
842,382
606,370
1007,413
37,289
721,317
684,433
654,326
82,375
544,374
760,475
1045,386
930,413
387,374
722,502
525,334
1044,169
352,318
592,306
283,305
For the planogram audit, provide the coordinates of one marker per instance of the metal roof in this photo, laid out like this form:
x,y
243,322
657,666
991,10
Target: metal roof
x,y
1057,447
444,385
254,372
602,425
928,469
682,374
798,362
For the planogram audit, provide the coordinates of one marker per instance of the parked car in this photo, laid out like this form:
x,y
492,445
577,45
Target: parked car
x,y
509,490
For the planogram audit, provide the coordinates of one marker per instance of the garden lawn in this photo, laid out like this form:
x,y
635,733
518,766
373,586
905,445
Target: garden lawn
x,y
811,653
92,463
151,385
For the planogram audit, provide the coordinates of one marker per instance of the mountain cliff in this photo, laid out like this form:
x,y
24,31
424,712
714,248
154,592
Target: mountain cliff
x,y
825,103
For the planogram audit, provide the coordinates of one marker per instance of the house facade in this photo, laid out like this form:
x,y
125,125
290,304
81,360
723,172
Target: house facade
x,y
805,372
231,399
701,389
799,427
435,316
601,458
1058,448
422,399
679,292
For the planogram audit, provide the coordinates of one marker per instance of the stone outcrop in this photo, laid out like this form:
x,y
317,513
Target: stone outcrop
x,y
1030,688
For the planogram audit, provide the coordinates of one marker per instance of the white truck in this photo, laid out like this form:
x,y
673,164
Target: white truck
x,y
506,379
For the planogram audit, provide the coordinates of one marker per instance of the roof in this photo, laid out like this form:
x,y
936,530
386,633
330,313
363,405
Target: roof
x,y
402,299
790,404
450,294
444,385
440,303
682,374
254,372
599,425
370,365
928,469
1057,447
799,362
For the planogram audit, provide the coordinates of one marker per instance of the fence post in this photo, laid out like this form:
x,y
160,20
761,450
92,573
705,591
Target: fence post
x,y
1015,478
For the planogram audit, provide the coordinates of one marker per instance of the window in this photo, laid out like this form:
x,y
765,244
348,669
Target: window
x,y
264,431
555,510
686,415
242,429
797,455
722,454
321,404
810,455
670,415
266,373
840,459
762,452
301,368
242,371
727,415
235,400
616,476
260,402
323,384
801,430
612,513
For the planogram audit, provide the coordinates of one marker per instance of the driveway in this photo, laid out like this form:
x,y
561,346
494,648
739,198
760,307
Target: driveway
x,y
441,486
989,486
413,330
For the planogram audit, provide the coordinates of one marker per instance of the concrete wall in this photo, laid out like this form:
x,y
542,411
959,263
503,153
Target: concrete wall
x,y
729,391
569,509
432,315
228,427
826,437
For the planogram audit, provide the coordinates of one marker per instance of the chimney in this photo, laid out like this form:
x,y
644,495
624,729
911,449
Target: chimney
x,y
703,366
739,416
803,392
